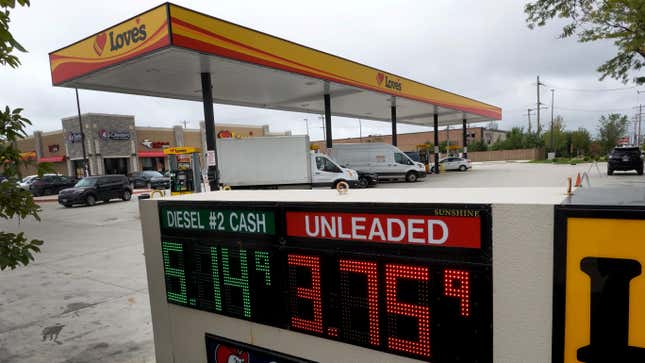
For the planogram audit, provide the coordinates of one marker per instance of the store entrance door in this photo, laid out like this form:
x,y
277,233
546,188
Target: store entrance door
x,y
116,166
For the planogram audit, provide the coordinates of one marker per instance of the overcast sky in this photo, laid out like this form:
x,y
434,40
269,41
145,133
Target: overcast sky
x,y
479,49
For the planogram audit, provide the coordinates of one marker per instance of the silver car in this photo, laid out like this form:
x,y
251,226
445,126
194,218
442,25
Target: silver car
x,y
26,182
455,163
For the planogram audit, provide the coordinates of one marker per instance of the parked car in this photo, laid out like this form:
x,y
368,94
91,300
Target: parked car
x,y
49,184
91,189
367,179
385,160
26,182
455,163
149,179
625,158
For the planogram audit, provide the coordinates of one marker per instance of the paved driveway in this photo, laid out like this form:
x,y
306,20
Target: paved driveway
x,y
85,298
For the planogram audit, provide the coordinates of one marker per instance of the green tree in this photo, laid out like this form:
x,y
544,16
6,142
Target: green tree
x,y
621,21
15,248
477,145
611,128
560,137
580,142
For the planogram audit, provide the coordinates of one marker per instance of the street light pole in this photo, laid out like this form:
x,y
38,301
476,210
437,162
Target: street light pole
x,y
360,130
86,170
307,125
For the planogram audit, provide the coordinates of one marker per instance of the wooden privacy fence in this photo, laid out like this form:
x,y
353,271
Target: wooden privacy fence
x,y
517,154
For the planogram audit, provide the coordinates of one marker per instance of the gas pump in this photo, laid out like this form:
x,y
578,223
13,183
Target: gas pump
x,y
424,155
184,170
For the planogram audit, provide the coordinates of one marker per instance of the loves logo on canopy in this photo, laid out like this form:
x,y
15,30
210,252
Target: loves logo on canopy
x,y
99,43
379,78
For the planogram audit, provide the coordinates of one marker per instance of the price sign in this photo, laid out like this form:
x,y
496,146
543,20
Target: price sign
x,y
412,280
599,285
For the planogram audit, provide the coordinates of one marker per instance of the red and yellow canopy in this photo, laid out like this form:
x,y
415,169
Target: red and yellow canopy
x,y
162,51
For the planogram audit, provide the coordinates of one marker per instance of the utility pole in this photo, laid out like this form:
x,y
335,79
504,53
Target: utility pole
x,y
528,113
86,170
307,125
539,127
552,98
360,130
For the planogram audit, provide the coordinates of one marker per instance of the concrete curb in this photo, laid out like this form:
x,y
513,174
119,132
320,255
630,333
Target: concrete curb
x,y
54,198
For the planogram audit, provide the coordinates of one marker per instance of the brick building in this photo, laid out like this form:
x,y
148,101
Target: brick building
x,y
409,141
115,145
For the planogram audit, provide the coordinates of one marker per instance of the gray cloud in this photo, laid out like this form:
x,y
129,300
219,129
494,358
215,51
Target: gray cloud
x,y
478,49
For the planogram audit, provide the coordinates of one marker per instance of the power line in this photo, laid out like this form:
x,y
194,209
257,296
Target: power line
x,y
583,110
590,89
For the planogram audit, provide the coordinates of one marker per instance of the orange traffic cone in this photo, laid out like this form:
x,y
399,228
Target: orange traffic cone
x,y
578,181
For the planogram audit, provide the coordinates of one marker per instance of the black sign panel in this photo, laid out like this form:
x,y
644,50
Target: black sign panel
x,y
412,280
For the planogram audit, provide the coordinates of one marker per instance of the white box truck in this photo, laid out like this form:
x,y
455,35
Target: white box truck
x,y
277,162
385,160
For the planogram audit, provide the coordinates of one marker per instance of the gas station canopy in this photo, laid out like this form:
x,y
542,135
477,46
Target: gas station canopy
x,y
163,51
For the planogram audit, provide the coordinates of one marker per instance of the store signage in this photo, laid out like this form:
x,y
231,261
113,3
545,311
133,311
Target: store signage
x,y
387,228
223,350
74,137
180,150
154,144
415,299
224,134
220,220
114,135
599,285
382,79
53,148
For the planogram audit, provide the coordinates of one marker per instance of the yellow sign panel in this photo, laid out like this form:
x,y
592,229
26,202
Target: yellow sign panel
x,y
180,150
599,311
131,38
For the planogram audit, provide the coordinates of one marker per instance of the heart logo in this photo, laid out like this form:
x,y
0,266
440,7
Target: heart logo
x,y
379,78
99,43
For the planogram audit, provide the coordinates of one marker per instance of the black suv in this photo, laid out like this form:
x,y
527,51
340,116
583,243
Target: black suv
x,y
625,158
50,184
93,188
149,179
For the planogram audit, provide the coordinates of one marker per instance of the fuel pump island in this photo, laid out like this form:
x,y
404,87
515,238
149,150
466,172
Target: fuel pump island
x,y
438,275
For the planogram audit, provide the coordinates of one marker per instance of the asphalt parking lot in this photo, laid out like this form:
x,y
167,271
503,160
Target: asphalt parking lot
x,y
85,298
522,174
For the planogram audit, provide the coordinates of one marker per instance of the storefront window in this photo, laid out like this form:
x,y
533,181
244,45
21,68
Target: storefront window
x,y
156,164
116,166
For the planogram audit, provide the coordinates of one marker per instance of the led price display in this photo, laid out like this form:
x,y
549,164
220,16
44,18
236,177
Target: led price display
x,y
414,298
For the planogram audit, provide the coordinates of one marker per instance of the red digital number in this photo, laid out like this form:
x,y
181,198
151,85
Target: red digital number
x,y
312,293
394,272
456,283
368,268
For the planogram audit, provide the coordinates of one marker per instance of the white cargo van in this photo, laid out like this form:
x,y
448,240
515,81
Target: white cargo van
x,y
277,162
386,160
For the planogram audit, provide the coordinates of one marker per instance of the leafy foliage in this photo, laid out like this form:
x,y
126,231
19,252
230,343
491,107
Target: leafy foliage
x,y
621,21
15,203
477,145
560,138
518,139
7,42
580,142
611,128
